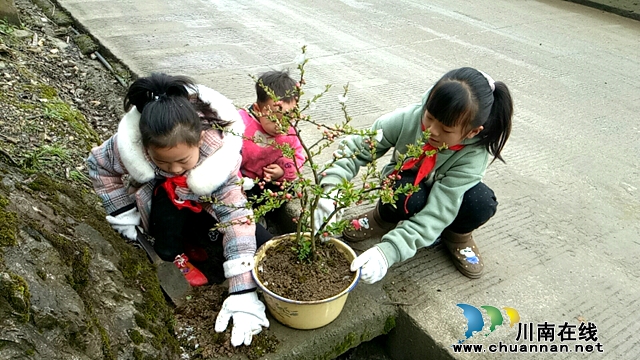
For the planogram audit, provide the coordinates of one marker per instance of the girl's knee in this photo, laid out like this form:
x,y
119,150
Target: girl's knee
x,y
479,204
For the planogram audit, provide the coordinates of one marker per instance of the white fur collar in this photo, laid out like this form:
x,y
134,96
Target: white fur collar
x,y
212,172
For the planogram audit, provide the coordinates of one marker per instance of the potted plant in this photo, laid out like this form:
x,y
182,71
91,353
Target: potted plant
x,y
305,275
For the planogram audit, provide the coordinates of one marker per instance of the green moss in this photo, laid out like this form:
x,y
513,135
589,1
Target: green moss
x,y
16,291
141,321
106,342
8,224
136,337
30,352
155,314
365,336
85,44
73,253
137,354
389,324
62,111
261,345
26,106
44,185
350,340
43,91
153,309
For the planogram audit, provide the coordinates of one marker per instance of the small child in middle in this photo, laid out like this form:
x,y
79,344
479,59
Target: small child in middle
x,y
261,158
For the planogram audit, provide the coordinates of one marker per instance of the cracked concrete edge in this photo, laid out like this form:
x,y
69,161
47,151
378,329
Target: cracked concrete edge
x,y
409,341
366,315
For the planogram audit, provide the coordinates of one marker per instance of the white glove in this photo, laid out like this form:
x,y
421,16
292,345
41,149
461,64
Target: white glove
x,y
373,265
126,223
324,209
248,317
247,184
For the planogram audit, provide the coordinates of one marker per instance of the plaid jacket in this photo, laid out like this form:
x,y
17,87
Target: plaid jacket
x,y
124,177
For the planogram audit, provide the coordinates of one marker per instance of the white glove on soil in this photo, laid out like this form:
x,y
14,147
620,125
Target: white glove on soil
x,y
324,209
248,317
126,223
373,265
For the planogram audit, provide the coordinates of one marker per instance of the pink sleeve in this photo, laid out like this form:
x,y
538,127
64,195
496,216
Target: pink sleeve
x,y
288,167
287,164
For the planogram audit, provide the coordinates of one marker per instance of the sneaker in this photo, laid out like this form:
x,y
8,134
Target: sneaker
x,y
464,252
366,226
194,276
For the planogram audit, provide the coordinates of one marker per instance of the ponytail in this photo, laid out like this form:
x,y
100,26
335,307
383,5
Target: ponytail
x,y
169,116
498,125
155,88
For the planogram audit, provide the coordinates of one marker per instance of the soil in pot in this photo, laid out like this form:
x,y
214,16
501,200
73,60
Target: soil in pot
x,y
284,274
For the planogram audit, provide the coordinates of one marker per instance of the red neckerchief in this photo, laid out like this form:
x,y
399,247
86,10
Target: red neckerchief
x,y
428,162
170,187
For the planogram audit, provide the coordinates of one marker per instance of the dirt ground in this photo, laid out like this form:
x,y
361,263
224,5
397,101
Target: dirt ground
x,y
56,103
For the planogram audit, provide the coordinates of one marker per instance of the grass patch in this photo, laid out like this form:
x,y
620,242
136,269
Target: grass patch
x,y
45,155
43,91
6,28
62,111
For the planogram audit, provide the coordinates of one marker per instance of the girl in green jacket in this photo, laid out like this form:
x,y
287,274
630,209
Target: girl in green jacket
x,y
468,115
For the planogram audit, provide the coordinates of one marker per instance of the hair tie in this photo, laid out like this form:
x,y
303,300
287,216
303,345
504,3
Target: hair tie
x,y
157,97
492,83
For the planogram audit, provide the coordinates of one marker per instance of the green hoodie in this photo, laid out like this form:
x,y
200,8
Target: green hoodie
x,y
455,172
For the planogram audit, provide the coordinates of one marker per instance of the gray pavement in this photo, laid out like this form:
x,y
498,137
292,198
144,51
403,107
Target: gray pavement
x,y
565,243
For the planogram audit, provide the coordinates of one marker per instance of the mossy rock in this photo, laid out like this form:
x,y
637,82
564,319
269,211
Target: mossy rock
x,y
155,314
8,224
15,290
86,44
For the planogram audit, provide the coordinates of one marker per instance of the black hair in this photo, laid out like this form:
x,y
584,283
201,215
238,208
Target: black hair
x,y
169,114
464,96
282,85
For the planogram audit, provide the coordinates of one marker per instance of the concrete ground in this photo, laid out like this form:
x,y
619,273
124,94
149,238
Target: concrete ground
x,y
565,242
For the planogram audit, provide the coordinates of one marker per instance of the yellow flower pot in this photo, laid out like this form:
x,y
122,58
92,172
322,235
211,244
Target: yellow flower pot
x,y
304,314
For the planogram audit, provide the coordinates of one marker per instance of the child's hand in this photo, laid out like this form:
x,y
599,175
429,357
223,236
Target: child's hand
x,y
272,172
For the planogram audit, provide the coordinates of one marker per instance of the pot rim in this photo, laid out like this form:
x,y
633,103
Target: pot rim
x,y
351,286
